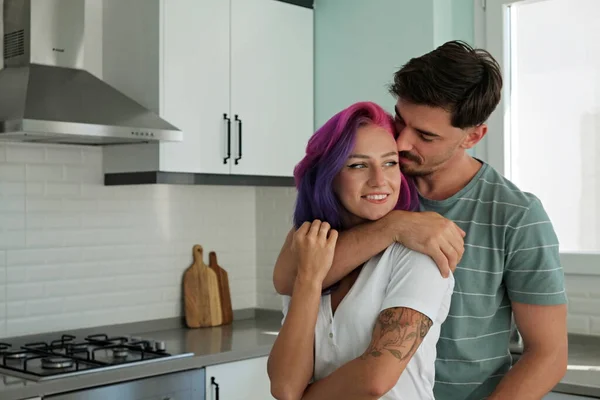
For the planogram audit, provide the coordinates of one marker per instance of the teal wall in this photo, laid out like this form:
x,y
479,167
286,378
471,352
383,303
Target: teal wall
x,y
359,44
453,19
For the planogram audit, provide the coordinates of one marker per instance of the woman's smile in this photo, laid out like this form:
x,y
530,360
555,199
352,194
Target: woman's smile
x,y
376,198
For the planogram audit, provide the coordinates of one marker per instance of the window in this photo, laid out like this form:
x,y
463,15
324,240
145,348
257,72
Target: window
x,y
549,127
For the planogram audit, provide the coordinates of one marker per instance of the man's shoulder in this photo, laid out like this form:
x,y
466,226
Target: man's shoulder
x,y
514,208
501,189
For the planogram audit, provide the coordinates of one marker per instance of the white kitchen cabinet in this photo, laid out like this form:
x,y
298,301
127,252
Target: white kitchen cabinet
x,y
239,380
271,84
236,76
195,84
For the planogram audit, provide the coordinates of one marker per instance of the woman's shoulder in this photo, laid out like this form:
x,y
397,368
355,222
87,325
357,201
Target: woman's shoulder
x,y
400,257
400,253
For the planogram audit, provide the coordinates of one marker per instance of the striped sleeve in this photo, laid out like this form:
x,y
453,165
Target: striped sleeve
x,y
533,273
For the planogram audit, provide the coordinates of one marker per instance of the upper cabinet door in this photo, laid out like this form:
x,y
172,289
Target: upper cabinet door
x,y
195,84
271,85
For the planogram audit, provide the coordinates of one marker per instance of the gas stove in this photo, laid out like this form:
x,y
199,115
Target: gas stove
x,y
69,355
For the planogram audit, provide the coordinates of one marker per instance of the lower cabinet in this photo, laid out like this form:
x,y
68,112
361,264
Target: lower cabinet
x,y
183,385
238,380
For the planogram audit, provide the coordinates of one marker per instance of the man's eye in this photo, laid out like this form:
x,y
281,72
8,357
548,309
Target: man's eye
x,y
426,138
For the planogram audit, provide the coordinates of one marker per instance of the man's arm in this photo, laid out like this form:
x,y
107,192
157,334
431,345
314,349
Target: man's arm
x,y
534,281
397,334
425,232
544,359
354,247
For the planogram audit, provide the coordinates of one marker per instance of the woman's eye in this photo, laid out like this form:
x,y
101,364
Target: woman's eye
x,y
357,166
391,163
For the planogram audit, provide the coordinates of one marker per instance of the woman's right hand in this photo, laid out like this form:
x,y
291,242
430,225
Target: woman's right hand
x,y
313,246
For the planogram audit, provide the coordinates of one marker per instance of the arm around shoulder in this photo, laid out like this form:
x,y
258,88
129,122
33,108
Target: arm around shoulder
x,y
354,247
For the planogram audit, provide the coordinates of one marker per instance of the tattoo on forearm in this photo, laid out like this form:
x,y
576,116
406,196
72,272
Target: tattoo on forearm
x,y
398,331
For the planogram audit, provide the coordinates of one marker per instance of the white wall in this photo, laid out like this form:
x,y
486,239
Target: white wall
x,y
75,253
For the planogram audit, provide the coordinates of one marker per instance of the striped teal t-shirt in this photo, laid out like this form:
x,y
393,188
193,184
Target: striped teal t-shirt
x,y
511,254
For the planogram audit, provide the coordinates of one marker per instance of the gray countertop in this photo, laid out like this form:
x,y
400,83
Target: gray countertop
x,y
247,338
584,352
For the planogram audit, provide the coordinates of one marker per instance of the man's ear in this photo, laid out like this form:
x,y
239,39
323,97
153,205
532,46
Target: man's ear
x,y
474,135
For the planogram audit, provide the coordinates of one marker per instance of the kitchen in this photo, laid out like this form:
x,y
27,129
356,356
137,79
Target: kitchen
x,y
94,240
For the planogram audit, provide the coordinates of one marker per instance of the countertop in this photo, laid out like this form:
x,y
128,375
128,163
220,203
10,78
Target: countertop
x,y
583,373
248,337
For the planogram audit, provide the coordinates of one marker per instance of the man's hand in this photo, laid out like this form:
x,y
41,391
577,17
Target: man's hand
x,y
430,233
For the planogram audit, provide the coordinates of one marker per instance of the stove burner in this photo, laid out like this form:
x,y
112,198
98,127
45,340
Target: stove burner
x,y
16,356
77,347
56,362
4,347
120,352
65,340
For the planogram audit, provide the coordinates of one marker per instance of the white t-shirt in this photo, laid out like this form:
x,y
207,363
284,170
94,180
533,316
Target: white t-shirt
x,y
397,277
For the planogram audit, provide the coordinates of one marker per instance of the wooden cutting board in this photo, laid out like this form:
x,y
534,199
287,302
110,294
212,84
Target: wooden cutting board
x,y
201,293
224,292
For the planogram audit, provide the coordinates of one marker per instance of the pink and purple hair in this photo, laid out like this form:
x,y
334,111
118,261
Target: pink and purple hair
x,y
326,153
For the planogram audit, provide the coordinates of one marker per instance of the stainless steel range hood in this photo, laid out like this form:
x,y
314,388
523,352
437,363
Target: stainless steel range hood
x,y
45,94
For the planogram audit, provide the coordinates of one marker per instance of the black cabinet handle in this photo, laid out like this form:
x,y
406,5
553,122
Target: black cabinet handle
x,y
228,138
214,383
239,157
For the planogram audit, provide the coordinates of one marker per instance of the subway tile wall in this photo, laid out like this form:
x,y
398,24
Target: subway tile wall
x,y
75,253
274,208
584,304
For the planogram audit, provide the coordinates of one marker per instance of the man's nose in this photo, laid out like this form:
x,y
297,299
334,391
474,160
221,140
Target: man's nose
x,y
403,141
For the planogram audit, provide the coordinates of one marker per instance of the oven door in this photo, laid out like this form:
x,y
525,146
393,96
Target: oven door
x,y
186,385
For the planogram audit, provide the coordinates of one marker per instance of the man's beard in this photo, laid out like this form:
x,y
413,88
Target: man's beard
x,y
412,169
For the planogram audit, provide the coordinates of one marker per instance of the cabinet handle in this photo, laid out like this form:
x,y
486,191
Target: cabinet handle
x,y
228,138
239,157
214,382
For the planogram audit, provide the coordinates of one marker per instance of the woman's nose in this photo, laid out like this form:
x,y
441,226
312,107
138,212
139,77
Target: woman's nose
x,y
377,178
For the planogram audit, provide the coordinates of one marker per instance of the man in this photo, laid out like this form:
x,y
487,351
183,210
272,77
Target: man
x,y
510,265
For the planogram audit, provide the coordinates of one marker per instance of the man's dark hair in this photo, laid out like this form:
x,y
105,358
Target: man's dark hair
x,y
466,82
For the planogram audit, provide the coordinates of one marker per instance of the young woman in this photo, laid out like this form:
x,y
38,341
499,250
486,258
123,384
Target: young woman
x,y
374,335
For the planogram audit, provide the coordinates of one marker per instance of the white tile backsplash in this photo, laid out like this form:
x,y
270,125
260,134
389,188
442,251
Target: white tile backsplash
x,y
274,210
584,304
75,253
